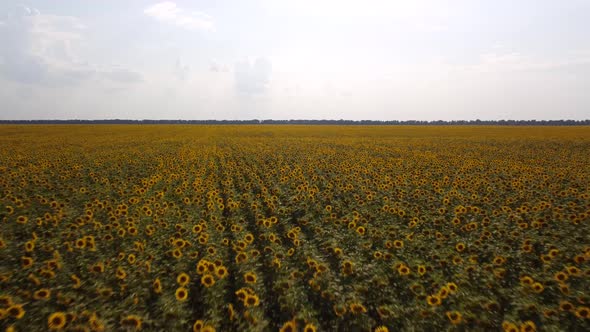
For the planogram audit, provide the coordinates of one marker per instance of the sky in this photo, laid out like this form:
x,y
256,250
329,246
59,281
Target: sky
x,y
304,59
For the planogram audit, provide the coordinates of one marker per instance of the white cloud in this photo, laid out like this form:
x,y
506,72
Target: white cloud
x,y
168,12
517,62
181,70
121,75
252,77
216,66
44,49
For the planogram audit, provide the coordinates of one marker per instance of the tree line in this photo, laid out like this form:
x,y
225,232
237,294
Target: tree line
x,y
317,122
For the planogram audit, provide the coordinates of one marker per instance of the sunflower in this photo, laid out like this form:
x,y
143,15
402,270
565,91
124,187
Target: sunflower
x,y
76,280
26,262
528,326
29,246
3,313
538,287
381,328
250,277
454,316
347,267
251,300
403,270
361,230
105,292
339,310
98,267
460,247
207,280
560,276
181,294
221,272
443,292
80,243
56,321
309,327
249,238
157,286
499,260
573,271
183,279
5,301
198,325
132,322
241,257
357,308
241,294
583,312
566,306
276,263
231,312
176,253
121,274
526,280
289,326
42,294
452,287
421,270
16,311
509,327
433,300
564,289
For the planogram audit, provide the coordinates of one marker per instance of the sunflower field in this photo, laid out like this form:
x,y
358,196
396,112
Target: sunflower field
x,y
294,228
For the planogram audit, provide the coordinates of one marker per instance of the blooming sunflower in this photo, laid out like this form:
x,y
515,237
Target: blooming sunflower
x,y
583,312
16,311
528,326
250,277
221,272
309,327
56,321
132,322
42,294
403,270
181,294
157,286
183,279
251,300
357,308
454,316
289,326
433,300
207,280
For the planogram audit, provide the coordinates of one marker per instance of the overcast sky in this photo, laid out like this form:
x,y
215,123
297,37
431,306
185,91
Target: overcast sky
x,y
301,59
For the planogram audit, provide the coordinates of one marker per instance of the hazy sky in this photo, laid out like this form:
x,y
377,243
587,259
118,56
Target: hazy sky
x,y
312,59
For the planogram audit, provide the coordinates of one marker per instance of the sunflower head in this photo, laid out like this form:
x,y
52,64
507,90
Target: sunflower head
x,y
42,294
56,321
221,272
132,322
289,326
181,294
207,280
454,316
183,279
250,277
251,300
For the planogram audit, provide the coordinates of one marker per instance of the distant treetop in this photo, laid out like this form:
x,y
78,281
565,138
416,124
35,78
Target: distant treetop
x,y
318,122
